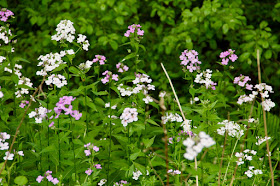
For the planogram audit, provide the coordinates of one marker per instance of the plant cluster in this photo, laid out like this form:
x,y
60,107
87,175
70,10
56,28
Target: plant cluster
x,y
106,122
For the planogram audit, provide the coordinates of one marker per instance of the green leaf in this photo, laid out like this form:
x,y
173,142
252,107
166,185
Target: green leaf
x,y
21,180
15,78
114,44
141,168
268,54
152,122
263,24
89,29
48,149
225,28
120,20
74,70
149,142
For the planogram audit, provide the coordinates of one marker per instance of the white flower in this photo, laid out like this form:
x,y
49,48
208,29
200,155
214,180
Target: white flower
x,y
102,182
136,175
8,156
65,31
233,129
148,99
195,147
249,173
129,115
20,153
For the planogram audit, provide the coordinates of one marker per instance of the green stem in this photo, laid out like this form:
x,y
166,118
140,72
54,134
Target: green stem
x,y
84,82
230,160
110,134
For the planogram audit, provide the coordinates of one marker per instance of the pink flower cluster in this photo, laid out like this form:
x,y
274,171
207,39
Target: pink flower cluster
x,y
120,183
242,81
90,146
5,14
89,171
189,58
99,58
228,55
132,28
108,75
121,67
23,103
49,177
64,104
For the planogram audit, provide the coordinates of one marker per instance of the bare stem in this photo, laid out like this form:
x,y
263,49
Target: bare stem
x,y
264,121
179,105
22,119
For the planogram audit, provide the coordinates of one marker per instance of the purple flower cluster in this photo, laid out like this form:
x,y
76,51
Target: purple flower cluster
x,y
242,81
64,104
132,28
120,183
108,75
49,177
228,55
23,103
5,14
121,67
189,58
90,146
99,58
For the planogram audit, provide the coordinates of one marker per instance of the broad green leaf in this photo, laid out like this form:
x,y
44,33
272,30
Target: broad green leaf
x,y
21,180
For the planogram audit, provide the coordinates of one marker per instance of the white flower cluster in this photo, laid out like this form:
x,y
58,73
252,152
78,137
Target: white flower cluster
x,y
1,93
22,80
250,172
39,114
51,61
3,144
170,171
85,66
186,126
261,140
65,30
233,129
57,80
170,117
264,91
192,101
102,182
195,146
205,78
142,82
136,175
162,94
129,115
2,58
107,105
244,156
4,34
82,39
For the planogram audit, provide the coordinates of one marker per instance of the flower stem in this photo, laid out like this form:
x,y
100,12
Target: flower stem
x,y
230,160
110,133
